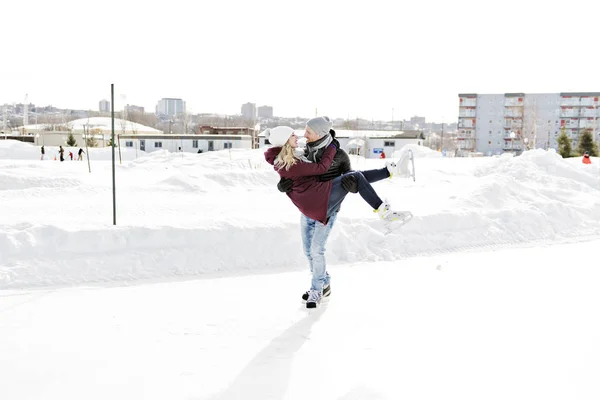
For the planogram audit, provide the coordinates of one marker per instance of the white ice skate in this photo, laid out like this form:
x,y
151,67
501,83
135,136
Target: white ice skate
x,y
392,219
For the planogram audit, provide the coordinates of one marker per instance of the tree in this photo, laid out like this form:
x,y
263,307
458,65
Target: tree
x,y
586,143
92,142
71,142
564,143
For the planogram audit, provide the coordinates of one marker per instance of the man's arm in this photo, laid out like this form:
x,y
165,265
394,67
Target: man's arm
x,y
341,165
310,169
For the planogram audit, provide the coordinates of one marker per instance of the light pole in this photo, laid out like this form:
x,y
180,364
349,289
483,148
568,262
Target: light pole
x,y
594,127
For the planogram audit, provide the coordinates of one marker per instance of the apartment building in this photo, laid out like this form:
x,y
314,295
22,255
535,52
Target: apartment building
x,y
170,107
512,122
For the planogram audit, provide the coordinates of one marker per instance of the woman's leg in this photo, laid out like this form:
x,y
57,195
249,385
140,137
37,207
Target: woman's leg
x,y
338,194
374,175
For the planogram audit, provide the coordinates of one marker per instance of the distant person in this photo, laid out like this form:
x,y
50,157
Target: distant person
x,y
586,158
62,153
43,153
80,154
71,155
382,155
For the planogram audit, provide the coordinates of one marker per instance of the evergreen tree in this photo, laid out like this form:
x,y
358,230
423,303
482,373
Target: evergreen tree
x,y
564,143
586,143
71,142
91,141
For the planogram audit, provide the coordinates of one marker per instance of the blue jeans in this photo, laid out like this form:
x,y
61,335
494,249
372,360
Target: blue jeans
x,y
314,237
364,180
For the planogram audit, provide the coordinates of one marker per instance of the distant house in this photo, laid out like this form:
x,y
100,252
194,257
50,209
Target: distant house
x,y
233,130
185,143
98,128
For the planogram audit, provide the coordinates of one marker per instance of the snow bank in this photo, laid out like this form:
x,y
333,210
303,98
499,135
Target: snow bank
x,y
220,213
418,151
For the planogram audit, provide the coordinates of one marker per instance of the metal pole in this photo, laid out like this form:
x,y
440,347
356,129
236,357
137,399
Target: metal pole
x,y
442,143
112,111
119,141
87,150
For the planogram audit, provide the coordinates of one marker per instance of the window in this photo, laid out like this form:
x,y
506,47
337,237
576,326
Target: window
x,y
389,143
227,145
195,144
157,144
128,144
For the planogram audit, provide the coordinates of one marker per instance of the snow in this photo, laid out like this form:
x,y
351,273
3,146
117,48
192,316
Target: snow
x,y
489,292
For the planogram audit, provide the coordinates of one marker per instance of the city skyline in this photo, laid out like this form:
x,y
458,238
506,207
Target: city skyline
x,y
329,58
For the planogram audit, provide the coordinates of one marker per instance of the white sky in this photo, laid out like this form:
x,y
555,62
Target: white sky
x,y
342,58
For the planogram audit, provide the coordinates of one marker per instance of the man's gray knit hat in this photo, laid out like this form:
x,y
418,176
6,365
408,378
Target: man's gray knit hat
x,y
320,125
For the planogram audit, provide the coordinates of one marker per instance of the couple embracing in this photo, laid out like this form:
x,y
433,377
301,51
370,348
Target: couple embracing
x,y
317,180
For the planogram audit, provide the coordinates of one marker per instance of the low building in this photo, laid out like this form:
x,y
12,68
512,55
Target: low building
x,y
212,130
185,143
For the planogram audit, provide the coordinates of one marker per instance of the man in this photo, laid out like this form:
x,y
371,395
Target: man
x,y
319,135
80,154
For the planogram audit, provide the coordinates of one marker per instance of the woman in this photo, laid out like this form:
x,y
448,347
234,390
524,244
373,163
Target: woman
x,y
320,201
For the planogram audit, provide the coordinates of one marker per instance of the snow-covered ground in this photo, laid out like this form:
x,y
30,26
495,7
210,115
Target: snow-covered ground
x,y
90,310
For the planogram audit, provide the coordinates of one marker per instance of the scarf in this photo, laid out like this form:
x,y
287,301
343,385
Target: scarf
x,y
312,153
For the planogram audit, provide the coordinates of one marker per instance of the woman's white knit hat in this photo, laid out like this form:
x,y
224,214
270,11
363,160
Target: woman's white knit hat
x,y
279,135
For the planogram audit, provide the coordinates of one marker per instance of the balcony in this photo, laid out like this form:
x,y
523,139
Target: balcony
x,y
588,101
507,146
569,112
468,102
590,112
569,123
569,101
588,123
466,124
465,144
513,112
513,124
513,102
467,112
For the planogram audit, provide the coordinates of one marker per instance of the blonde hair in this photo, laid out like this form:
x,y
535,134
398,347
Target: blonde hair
x,y
286,158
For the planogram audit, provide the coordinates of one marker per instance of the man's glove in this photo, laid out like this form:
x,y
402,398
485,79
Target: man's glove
x,y
285,185
349,183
